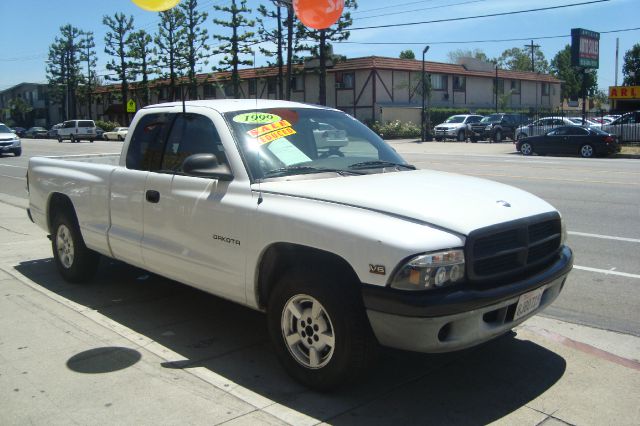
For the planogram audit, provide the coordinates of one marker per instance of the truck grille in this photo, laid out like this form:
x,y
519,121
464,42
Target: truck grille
x,y
513,248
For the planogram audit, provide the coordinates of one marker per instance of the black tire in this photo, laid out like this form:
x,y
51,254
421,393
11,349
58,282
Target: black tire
x,y
461,136
342,316
76,263
526,148
91,140
59,140
474,139
497,136
587,151
17,152
72,139
438,139
120,138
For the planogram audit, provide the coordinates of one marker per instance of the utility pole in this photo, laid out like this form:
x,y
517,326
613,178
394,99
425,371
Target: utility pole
x,y
424,90
617,50
533,47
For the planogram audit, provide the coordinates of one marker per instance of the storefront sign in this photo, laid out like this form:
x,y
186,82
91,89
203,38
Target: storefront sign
x,y
624,92
585,48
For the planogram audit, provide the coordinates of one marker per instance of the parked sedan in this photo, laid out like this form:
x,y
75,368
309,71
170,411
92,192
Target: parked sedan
x,y
36,132
586,142
117,134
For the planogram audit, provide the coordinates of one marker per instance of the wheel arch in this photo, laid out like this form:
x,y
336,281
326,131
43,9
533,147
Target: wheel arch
x,y
280,257
59,202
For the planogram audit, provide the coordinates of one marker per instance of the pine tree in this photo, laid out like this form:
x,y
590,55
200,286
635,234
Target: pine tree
x,y
196,47
170,41
63,68
274,36
120,27
143,63
88,58
238,43
321,38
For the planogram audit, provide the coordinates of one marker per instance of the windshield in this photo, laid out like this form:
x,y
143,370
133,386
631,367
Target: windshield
x,y
4,129
291,141
493,118
455,119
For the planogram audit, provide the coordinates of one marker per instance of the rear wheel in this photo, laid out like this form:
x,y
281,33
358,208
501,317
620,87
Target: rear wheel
x,y
74,260
586,151
319,329
497,137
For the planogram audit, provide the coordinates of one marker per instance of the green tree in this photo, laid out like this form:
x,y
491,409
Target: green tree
x,y
572,77
120,28
274,36
407,54
236,44
142,61
63,68
197,48
89,59
631,66
170,40
19,111
318,41
455,55
517,59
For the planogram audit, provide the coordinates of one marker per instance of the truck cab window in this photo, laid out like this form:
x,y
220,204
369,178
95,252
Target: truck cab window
x,y
145,148
191,134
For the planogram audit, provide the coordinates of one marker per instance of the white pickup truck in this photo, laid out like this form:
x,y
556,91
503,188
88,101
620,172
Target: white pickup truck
x,y
343,246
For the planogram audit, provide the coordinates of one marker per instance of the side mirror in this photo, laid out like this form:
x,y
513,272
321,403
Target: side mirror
x,y
206,165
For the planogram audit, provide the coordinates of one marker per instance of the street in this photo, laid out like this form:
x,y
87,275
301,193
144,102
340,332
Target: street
x,y
135,348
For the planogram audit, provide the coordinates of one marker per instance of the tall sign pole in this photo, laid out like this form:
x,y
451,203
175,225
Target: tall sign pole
x,y
585,54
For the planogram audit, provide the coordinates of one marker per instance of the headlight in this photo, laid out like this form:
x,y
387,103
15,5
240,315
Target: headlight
x,y
429,271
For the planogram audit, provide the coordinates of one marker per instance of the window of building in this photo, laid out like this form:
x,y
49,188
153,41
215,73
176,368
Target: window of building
x,y
459,83
545,89
297,83
345,80
515,86
228,90
438,82
209,91
500,86
271,85
253,87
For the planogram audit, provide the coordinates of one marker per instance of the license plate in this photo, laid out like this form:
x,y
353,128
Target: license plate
x,y
528,302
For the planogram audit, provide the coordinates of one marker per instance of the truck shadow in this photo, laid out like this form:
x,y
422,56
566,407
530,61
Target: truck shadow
x,y
475,386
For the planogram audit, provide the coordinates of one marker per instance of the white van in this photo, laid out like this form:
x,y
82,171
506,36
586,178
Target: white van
x,y
76,130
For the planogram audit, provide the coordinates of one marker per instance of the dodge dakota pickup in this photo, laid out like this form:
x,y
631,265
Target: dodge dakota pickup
x,y
304,213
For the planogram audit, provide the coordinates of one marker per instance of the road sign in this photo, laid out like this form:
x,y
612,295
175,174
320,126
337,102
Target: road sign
x,y
131,106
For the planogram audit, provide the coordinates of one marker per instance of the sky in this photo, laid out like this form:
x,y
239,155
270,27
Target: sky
x,y
30,26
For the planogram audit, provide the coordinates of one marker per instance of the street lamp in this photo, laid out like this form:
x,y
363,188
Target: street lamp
x,y
424,89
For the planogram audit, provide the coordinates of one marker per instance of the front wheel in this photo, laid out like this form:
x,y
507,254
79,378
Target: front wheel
x,y
74,260
526,148
497,137
461,136
17,152
319,329
586,151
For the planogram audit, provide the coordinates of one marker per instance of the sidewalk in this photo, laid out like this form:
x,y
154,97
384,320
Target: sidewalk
x,y
133,348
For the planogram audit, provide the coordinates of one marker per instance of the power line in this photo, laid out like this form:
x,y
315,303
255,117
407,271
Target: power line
x,y
417,10
488,15
422,43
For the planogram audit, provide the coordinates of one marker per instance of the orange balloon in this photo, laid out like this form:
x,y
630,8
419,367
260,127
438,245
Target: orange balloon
x,y
156,5
318,14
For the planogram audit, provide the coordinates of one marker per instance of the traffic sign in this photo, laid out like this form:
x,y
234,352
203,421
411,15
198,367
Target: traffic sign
x,y
131,106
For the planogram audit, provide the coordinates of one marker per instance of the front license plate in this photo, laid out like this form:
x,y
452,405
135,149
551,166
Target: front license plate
x,y
528,302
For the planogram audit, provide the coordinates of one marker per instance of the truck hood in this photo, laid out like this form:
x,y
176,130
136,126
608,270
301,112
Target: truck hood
x,y
455,202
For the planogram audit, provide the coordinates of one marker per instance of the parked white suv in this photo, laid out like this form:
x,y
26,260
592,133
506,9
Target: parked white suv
x,y
76,130
455,127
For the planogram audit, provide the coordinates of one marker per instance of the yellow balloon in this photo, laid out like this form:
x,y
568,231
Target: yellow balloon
x,y
156,5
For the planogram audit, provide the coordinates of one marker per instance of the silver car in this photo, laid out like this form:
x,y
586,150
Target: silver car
x,y
542,126
456,127
627,127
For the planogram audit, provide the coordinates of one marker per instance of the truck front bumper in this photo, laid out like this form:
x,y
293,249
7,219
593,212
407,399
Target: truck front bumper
x,y
430,322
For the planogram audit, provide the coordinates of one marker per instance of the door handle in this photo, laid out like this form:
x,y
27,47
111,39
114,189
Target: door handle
x,y
152,196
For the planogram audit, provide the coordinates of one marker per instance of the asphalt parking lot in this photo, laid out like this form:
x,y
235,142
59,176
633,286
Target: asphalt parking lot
x,y
132,347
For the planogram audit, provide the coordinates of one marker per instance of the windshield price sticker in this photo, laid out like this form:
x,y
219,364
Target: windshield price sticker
x,y
256,118
259,131
278,134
